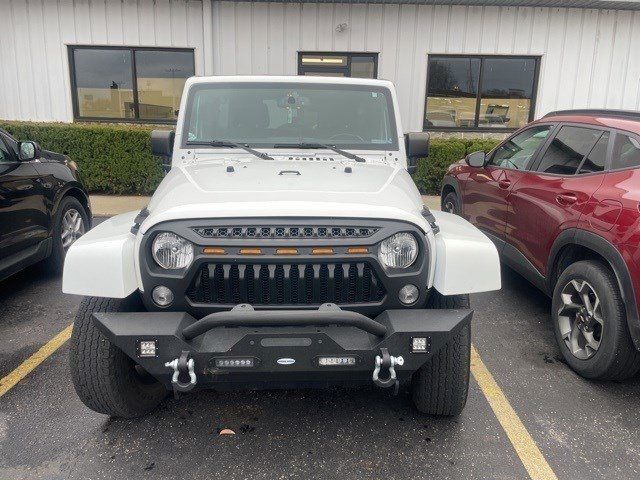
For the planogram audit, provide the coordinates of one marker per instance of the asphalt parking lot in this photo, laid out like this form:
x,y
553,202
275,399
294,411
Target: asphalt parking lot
x,y
584,430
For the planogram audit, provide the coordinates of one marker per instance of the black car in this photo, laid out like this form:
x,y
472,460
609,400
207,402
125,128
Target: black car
x,y
44,207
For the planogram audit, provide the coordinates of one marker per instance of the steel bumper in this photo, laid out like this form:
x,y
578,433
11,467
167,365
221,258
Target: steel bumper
x,y
285,346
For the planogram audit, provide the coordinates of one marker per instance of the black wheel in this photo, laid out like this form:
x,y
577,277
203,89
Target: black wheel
x,y
70,222
441,385
106,380
590,323
451,203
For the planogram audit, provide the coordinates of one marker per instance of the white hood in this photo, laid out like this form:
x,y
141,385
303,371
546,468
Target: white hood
x,y
286,188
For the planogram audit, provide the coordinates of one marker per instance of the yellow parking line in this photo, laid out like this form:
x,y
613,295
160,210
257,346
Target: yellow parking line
x,y
26,367
526,448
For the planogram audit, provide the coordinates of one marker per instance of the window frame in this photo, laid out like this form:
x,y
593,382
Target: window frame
x,y
482,58
132,50
346,69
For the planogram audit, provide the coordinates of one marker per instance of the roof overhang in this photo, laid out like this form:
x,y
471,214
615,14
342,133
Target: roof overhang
x,y
592,4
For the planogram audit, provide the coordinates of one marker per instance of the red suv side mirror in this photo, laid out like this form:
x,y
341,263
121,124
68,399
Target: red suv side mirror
x,y
476,159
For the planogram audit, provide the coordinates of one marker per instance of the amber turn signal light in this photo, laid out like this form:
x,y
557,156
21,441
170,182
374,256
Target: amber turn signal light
x,y
287,251
250,251
357,250
213,251
322,251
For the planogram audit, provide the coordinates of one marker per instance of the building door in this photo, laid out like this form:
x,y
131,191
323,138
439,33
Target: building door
x,y
338,64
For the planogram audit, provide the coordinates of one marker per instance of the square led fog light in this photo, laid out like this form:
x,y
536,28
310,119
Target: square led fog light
x,y
420,344
147,348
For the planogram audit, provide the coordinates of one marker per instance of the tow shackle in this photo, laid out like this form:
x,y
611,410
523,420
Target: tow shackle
x,y
386,361
185,366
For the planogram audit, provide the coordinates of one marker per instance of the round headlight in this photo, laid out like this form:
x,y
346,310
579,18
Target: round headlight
x,y
171,251
398,251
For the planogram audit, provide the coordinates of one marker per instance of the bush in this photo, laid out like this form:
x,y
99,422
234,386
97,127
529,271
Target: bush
x,y
442,153
116,158
111,158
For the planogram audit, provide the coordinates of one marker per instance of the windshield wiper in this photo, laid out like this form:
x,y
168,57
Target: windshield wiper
x,y
344,153
226,143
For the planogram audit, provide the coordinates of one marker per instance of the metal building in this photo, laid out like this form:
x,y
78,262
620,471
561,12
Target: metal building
x,y
458,65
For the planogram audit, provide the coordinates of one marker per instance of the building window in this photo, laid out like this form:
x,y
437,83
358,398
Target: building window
x,y
128,84
480,92
360,65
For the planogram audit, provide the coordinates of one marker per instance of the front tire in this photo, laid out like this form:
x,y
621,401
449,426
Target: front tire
x,y
440,387
106,380
590,323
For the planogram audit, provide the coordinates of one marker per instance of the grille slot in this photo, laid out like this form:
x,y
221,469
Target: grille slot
x,y
285,231
286,284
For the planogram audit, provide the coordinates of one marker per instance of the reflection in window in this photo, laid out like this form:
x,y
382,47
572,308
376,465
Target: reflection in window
x,y
594,161
452,92
161,76
567,149
104,83
110,85
516,152
479,92
626,152
360,65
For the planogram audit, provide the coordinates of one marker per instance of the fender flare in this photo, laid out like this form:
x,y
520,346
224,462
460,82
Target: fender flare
x,y
611,254
63,192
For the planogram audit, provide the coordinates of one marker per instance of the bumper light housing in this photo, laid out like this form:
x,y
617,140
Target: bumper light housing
x,y
420,345
338,361
147,348
245,362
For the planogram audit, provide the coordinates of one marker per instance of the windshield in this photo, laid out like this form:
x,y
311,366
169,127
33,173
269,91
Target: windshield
x,y
281,115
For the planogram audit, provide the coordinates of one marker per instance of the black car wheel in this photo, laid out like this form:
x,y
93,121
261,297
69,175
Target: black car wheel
x,y
441,385
104,377
451,203
71,221
590,323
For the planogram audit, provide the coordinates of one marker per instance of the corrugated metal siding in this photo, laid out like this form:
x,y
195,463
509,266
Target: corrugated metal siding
x,y
34,78
589,57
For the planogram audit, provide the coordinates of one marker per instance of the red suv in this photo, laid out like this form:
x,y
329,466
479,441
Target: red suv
x,y
560,198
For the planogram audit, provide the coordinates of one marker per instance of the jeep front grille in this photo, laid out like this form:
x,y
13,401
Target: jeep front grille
x,y
286,284
285,231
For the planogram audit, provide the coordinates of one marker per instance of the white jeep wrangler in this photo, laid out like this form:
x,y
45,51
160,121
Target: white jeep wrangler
x,y
287,246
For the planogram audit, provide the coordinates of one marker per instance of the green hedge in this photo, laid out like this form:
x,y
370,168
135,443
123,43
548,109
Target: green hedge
x,y
112,158
116,158
442,153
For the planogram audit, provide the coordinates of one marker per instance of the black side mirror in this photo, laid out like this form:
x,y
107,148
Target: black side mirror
x,y
417,146
476,159
162,146
28,151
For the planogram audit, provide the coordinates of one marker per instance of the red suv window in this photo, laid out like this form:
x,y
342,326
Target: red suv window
x,y
626,152
567,150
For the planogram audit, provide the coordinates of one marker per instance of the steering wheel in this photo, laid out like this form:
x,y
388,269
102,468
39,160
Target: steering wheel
x,y
336,137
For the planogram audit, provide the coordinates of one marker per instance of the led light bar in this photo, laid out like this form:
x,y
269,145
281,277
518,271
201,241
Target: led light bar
x,y
247,362
346,361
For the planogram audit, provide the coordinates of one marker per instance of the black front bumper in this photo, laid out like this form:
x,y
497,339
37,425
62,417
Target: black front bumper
x,y
285,349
